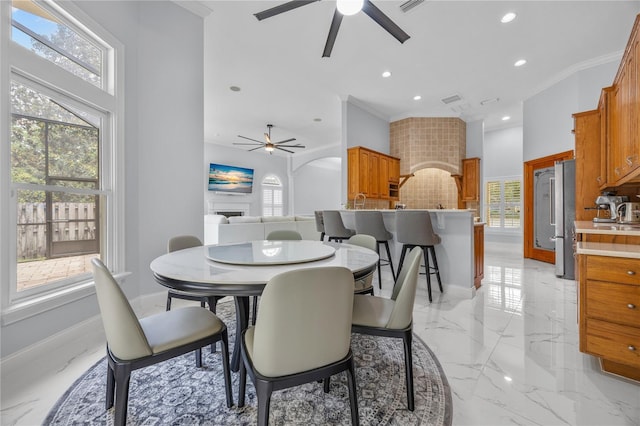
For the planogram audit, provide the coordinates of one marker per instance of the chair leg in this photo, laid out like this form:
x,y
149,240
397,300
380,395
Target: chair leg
x,y
212,301
435,266
168,301
110,386
408,366
226,369
322,236
379,272
426,265
405,247
255,310
263,393
327,384
393,273
242,383
122,377
198,353
353,397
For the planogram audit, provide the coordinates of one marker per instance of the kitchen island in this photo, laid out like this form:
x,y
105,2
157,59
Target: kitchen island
x,y
456,254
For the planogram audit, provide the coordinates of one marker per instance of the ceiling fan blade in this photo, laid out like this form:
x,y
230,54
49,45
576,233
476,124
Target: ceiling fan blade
x,y
384,21
242,143
253,149
290,5
284,141
333,33
292,146
286,150
244,137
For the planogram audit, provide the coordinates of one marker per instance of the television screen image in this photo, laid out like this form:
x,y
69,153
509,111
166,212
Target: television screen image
x,y
237,180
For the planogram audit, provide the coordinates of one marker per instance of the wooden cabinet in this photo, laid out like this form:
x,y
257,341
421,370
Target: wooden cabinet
x,y
374,174
588,166
609,312
471,179
478,254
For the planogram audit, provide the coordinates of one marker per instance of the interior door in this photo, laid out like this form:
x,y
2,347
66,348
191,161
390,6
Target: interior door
x,y
538,207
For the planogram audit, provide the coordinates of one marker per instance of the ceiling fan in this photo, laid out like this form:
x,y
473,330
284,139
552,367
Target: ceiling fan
x,y
342,8
268,145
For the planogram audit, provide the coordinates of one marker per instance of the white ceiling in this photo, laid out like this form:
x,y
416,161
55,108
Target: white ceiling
x,y
456,47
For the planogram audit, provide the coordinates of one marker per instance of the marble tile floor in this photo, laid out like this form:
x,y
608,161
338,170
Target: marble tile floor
x,y
510,354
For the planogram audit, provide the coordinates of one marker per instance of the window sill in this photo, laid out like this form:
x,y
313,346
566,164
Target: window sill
x,y
36,305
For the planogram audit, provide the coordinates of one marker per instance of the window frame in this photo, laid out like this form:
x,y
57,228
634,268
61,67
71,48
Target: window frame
x,y
502,204
266,186
18,63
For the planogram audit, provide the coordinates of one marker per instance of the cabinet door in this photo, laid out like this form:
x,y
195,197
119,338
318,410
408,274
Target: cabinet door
x,y
471,179
363,177
587,142
353,172
374,173
383,177
394,170
603,112
614,145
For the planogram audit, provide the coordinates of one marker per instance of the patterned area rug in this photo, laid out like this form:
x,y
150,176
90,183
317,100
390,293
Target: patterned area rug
x,y
176,392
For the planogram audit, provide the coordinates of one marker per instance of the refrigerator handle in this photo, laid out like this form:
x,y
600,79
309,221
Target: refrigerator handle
x,y
552,197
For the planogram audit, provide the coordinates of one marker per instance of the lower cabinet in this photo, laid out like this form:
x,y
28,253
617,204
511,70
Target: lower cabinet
x,y
478,254
609,312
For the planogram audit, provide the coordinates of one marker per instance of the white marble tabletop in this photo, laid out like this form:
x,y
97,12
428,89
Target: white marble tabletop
x,y
264,252
191,269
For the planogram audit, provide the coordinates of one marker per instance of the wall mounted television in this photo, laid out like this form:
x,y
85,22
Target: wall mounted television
x,y
230,179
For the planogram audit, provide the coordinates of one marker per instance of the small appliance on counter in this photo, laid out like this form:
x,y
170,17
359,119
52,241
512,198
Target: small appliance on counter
x,y
628,213
609,202
400,206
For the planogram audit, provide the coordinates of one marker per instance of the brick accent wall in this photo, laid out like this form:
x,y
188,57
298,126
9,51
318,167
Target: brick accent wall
x,y
432,149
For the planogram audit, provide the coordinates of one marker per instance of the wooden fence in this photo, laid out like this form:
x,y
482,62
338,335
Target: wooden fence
x,y
70,222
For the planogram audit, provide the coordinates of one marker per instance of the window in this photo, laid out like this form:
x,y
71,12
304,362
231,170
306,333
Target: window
x,y
272,196
503,203
65,203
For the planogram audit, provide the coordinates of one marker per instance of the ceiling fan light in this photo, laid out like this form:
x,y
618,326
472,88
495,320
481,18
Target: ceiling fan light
x,y
349,7
269,147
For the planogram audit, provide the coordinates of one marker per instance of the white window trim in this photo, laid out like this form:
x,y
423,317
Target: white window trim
x,y
16,59
502,229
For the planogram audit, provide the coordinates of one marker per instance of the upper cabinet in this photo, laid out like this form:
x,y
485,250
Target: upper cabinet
x,y
372,173
470,179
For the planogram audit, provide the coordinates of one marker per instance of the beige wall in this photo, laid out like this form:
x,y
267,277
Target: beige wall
x,y
432,149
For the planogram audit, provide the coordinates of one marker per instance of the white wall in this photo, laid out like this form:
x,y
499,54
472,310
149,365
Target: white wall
x,y
261,162
317,186
163,140
547,115
502,153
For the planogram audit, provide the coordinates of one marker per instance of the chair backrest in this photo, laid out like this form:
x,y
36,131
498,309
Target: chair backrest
x,y
125,336
414,227
319,221
182,242
304,321
404,292
284,234
362,240
334,226
372,223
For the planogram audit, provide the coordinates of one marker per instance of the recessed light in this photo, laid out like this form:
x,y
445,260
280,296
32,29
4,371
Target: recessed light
x,y
234,88
417,97
520,62
505,118
317,120
508,17
508,379
386,74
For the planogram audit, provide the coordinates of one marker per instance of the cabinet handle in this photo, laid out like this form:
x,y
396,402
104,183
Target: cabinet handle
x,y
631,348
599,179
629,160
617,170
631,273
631,306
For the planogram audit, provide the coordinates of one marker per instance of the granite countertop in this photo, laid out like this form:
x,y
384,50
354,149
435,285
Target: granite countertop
x,y
609,249
588,227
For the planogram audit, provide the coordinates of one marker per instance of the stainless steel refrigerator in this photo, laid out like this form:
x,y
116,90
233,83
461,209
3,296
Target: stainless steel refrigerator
x,y
563,217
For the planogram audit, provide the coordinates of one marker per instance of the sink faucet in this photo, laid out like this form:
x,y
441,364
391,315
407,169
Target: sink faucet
x,y
359,204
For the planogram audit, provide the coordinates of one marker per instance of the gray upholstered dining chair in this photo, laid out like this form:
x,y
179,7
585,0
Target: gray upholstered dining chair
x,y
302,335
334,226
364,285
319,223
284,234
414,229
134,343
372,223
182,242
392,317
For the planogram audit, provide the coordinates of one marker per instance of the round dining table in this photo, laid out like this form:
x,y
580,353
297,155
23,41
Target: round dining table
x,y
243,269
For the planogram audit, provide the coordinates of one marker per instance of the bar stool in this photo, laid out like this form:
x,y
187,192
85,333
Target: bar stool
x,y
414,229
319,224
334,226
371,223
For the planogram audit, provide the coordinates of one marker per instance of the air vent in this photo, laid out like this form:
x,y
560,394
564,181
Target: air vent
x,y
408,5
451,99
